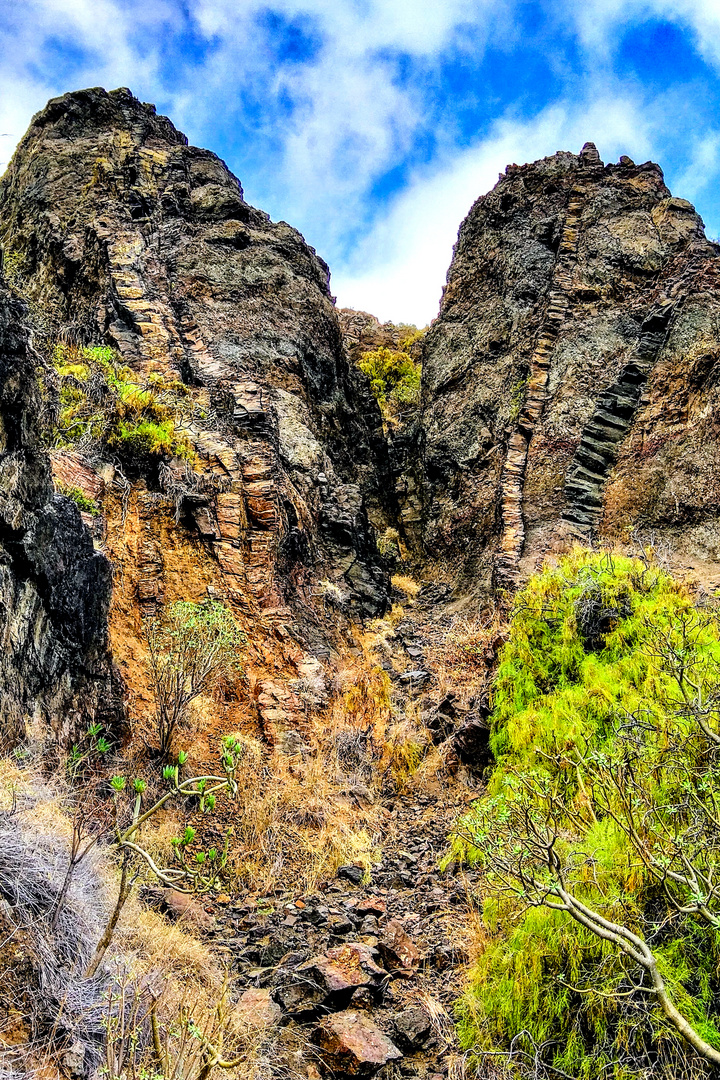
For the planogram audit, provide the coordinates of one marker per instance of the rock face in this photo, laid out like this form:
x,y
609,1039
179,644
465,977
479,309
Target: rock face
x,y
363,333
54,587
125,235
570,382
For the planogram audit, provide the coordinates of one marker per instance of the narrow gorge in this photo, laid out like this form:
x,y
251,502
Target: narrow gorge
x,y
265,623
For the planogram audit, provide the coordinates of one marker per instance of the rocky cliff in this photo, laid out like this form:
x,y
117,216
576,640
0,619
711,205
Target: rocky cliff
x,y
121,235
202,406
55,669
125,235
570,382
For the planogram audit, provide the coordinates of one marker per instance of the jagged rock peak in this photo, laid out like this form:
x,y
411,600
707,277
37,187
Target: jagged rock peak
x,y
125,235
563,390
80,112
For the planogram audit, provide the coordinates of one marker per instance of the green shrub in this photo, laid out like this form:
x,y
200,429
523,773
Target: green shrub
x,y
102,401
605,781
389,544
191,648
89,506
394,377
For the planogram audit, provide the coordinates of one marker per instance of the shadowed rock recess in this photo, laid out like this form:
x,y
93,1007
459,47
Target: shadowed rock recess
x,y
570,382
55,668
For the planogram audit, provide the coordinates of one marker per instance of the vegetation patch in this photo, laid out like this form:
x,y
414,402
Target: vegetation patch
x,y
598,839
192,648
102,401
394,377
78,496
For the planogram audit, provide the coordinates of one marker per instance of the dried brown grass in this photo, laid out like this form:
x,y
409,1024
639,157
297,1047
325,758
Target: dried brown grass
x,y
155,966
296,821
465,659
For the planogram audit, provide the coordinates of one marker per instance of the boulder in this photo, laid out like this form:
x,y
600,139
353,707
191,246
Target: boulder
x,y
412,1028
354,874
397,949
329,980
353,1045
371,905
185,907
256,1009
471,743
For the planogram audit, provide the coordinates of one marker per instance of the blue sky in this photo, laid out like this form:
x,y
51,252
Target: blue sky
x,y
372,125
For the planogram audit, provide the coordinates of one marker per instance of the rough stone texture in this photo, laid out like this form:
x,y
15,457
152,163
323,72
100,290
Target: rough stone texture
x,y
54,587
412,1028
397,947
329,981
256,1009
128,236
352,1045
363,333
570,382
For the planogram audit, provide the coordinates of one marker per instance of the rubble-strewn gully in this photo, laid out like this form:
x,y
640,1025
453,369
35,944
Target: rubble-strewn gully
x,y
570,392
361,975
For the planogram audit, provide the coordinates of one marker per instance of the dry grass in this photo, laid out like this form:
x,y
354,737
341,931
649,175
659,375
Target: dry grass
x,y
162,968
299,818
155,967
405,585
147,1037
466,658
296,820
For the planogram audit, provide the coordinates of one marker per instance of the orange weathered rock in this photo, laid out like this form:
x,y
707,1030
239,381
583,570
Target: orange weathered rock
x,y
256,1008
397,948
353,1045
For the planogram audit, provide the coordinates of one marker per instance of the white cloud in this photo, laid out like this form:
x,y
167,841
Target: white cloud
x,y
106,31
326,130
351,119
399,269
598,20
702,167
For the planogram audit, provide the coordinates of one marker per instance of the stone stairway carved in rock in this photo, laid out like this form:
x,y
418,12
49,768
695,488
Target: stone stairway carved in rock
x,y
513,478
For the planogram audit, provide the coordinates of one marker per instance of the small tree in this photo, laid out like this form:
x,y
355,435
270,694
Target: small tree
x,y
191,647
394,378
192,871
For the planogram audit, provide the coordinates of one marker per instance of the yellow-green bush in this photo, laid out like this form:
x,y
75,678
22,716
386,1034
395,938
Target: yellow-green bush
x,y
103,401
591,730
394,377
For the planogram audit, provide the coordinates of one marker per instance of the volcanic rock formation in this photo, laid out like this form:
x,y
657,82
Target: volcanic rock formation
x,y
125,235
569,391
55,669
570,382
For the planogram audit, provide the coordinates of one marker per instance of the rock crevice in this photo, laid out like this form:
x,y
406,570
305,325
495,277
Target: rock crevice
x,y
55,668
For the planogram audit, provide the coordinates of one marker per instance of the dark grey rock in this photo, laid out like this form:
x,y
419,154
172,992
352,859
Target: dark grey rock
x,y
354,874
412,1028
54,587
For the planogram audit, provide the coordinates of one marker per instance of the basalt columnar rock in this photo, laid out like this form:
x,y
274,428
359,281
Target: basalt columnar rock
x,y
571,380
124,235
55,669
